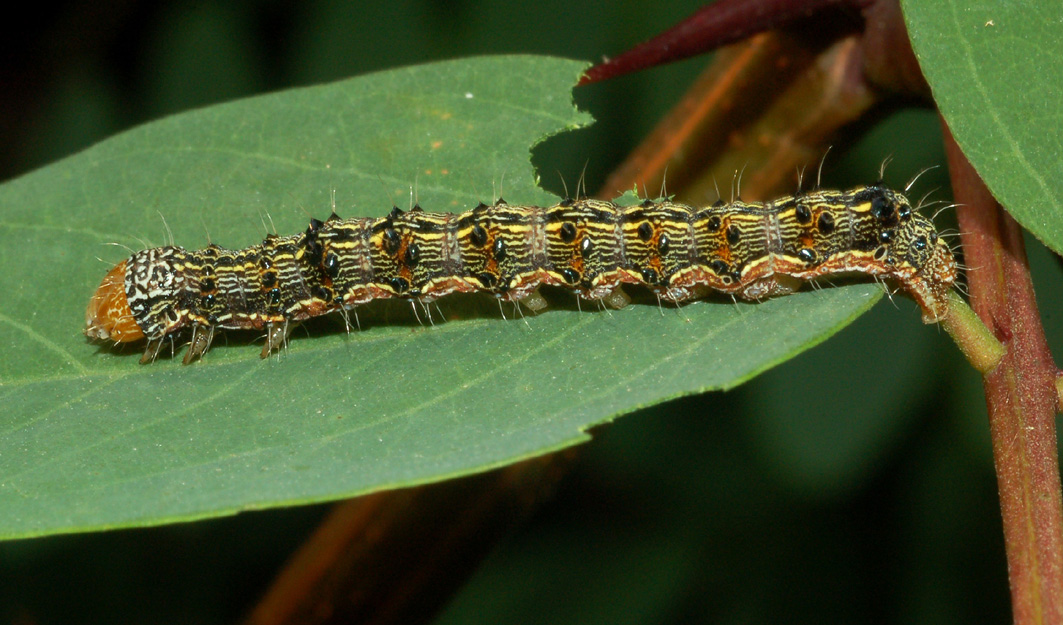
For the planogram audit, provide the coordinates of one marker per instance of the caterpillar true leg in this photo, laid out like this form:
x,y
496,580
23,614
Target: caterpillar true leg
x,y
151,352
202,337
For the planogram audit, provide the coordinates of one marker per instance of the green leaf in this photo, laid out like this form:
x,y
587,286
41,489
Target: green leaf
x,y
995,71
89,439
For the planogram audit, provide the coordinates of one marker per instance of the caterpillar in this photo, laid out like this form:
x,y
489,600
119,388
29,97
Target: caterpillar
x,y
751,250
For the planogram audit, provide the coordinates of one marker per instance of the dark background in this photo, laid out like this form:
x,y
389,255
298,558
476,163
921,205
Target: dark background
x,y
854,483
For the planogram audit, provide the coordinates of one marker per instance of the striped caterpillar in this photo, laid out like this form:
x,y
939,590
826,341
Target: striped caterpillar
x,y
752,250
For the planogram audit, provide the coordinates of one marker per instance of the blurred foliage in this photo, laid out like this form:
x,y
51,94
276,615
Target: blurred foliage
x,y
852,483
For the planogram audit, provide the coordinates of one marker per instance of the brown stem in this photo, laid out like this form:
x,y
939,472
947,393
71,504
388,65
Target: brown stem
x,y
1020,394
766,107
397,556
713,26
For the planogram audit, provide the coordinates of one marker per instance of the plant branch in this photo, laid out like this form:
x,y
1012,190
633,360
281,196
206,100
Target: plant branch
x,y
713,26
725,124
397,556
1021,397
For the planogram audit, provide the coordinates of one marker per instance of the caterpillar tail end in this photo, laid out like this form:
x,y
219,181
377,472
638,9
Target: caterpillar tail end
x,y
108,317
939,306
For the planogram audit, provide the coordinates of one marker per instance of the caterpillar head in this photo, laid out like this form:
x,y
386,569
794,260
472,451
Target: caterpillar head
x,y
137,298
108,317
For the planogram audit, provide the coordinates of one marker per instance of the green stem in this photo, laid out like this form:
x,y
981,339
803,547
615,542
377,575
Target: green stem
x,y
974,339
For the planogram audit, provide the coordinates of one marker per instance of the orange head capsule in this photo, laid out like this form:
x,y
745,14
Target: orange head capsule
x,y
108,316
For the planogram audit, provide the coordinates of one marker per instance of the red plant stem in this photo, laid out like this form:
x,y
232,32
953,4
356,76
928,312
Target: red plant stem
x,y
1020,394
712,26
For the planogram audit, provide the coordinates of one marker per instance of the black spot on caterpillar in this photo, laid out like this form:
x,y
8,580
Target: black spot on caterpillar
x,y
753,250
